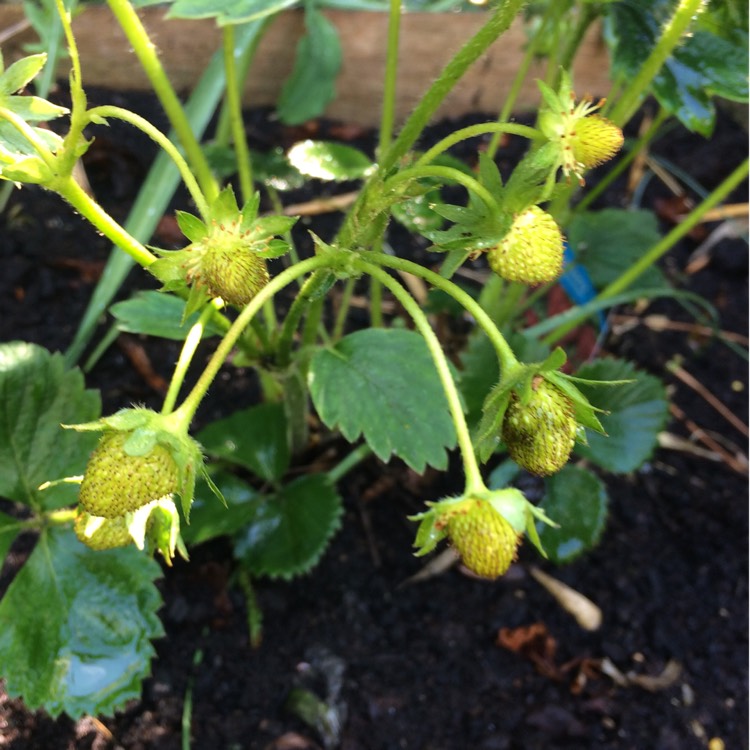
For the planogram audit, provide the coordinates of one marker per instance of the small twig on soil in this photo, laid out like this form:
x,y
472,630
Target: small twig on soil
x,y
587,614
663,323
709,397
673,442
736,462
436,567
701,256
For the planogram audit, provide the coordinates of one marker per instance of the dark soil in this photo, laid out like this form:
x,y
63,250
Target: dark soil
x,y
422,666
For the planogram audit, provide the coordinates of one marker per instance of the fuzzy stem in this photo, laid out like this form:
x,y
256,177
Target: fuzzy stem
x,y
145,50
300,304
738,175
186,355
671,36
391,70
445,173
340,322
471,132
69,189
244,163
359,454
164,143
461,62
505,354
474,482
77,95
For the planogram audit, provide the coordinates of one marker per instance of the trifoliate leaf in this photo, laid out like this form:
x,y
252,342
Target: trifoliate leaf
x,y
382,384
37,395
76,626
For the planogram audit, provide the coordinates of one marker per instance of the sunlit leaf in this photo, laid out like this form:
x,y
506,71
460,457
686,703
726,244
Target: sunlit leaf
x,y
76,626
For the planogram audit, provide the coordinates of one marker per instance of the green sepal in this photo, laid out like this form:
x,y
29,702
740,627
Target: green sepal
x,y
149,429
191,226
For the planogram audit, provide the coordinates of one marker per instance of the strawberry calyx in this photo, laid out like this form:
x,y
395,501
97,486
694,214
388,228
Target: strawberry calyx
x,y
227,253
484,526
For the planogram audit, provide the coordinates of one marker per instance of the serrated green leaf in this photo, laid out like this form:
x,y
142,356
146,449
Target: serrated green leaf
x,y
291,529
76,626
255,438
329,161
577,501
210,519
312,83
638,412
10,528
608,242
382,384
37,395
157,314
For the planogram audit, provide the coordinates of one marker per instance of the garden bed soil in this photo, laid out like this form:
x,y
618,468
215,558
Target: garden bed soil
x,y
421,665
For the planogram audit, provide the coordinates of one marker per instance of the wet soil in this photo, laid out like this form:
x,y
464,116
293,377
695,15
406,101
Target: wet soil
x,y
422,666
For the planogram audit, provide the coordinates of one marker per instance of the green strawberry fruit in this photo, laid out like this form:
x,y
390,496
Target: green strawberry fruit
x,y
540,435
532,251
235,274
485,540
110,533
116,483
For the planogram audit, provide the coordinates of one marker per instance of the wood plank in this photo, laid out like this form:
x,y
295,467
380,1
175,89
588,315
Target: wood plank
x,y
427,43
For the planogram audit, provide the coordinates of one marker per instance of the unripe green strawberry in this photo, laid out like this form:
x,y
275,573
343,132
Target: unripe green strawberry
x,y
540,435
595,141
110,533
116,483
532,250
235,274
485,540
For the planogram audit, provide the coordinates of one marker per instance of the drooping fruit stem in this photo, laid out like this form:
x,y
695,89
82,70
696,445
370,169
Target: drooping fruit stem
x,y
474,482
184,413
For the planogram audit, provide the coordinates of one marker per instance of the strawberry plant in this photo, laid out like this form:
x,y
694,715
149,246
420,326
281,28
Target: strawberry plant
x,y
103,494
